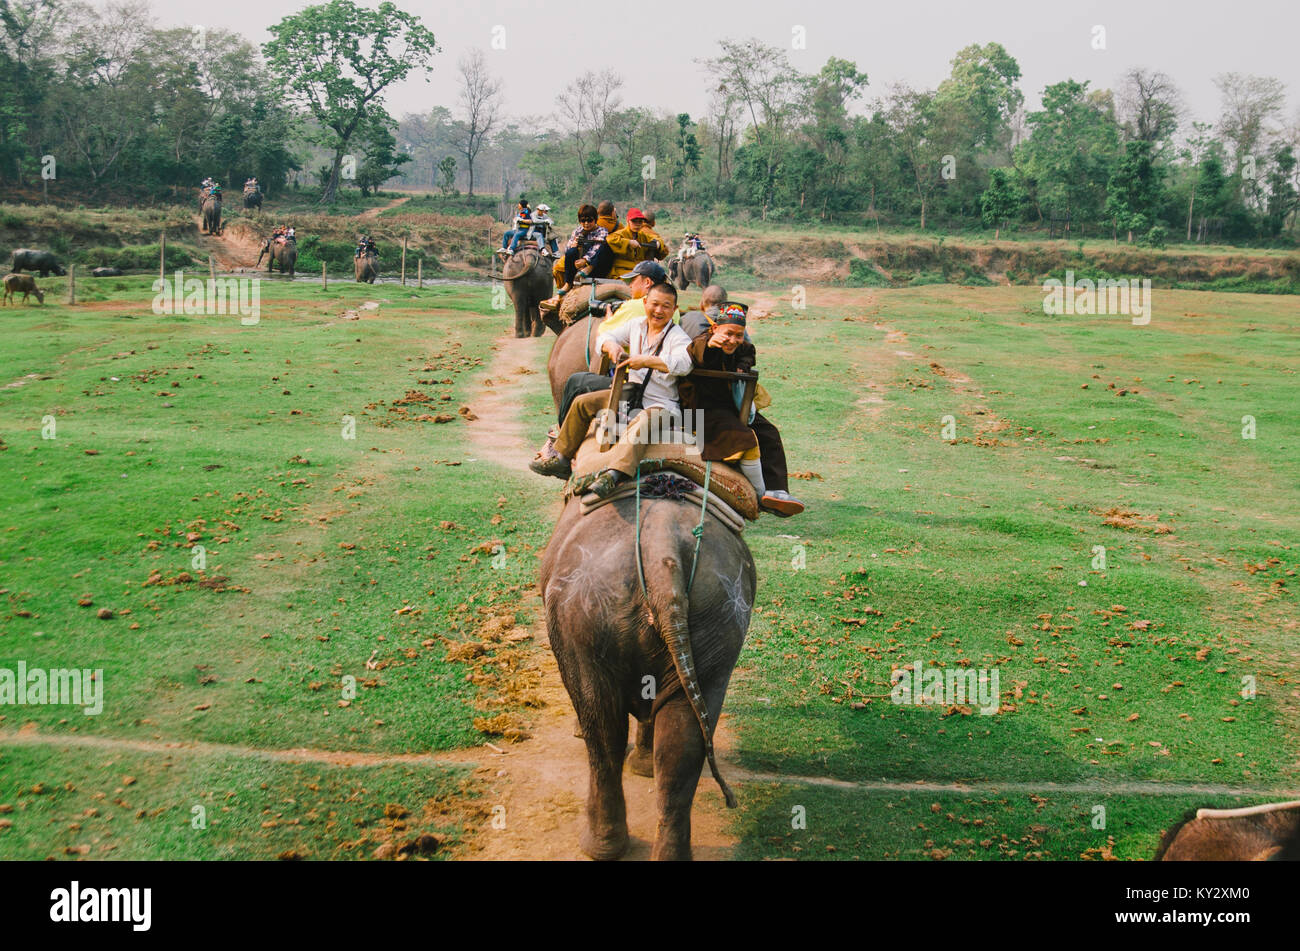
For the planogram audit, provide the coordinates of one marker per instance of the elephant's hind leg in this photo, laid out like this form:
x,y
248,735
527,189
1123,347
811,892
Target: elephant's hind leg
x,y
605,837
678,759
642,759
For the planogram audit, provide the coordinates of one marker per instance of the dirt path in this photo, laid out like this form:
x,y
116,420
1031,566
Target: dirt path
x,y
375,212
234,250
542,781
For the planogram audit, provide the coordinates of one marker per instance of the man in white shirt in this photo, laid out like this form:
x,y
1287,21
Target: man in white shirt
x,y
656,356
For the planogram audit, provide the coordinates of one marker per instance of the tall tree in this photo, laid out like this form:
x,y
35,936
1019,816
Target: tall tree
x,y
585,109
1134,189
480,102
761,78
1150,106
338,58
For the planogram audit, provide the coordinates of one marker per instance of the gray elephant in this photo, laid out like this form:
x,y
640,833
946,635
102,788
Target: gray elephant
x,y
283,253
572,352
697,269
664,657
211,223
366,267
527,276
28,259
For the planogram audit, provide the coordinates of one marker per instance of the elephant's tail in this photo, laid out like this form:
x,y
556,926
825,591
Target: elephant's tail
x,y
670,607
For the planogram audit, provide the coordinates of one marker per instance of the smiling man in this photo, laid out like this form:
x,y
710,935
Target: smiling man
x,y
654,350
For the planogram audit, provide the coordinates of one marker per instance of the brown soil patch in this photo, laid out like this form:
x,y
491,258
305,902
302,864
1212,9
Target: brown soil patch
x,y
1133,521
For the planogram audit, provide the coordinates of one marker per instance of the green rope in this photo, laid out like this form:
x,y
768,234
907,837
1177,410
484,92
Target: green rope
x,y
697,531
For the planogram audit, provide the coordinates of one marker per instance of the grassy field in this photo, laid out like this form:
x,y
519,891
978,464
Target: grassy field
x,y
968,542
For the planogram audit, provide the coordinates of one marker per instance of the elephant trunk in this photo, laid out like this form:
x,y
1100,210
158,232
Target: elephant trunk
x,y
670,608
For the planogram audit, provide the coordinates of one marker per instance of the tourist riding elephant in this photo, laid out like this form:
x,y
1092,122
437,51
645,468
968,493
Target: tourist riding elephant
x,y
664,657
284,253
211,215
572,352
697,269
252,196
527,276
366,267
27,259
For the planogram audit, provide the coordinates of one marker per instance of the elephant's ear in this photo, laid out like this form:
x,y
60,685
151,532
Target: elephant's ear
x,y
514,268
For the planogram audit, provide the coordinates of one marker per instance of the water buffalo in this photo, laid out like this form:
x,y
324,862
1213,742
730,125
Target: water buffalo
x,y
21,282
106,272
664,657
1270,832
26,259
366,267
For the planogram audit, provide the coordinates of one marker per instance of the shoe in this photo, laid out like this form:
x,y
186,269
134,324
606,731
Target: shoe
x,y
780,502
605,484
552,465
548,447
549,306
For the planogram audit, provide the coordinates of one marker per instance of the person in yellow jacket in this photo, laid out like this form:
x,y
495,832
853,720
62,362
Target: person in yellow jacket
x,y
605,218
634,243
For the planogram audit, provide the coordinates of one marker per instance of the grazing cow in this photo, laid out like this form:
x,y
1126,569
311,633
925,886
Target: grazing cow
x,y
1270,832
21,282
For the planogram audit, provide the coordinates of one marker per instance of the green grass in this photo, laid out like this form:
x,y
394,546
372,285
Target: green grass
x,y
961,551
168,425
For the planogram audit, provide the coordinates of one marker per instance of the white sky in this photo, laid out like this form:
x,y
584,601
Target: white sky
x,y
655,48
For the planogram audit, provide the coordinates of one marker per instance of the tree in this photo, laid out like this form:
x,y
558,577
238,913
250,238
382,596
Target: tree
x,y
337,59
447,169
1150,106
381,154
480,99
1001,200
760,78
585,108
1134,189
983,84
1071,150
911,116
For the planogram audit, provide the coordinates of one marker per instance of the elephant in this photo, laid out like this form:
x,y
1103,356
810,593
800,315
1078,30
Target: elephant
x,y
697,269
252,197
13,283
664,656
1270,832
211,215
527,276
572,352
285,253
27,259
366,267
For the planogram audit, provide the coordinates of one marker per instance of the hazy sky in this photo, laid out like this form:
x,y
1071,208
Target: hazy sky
x,y
655,49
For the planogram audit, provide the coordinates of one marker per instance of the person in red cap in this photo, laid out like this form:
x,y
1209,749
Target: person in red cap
x,y
634,243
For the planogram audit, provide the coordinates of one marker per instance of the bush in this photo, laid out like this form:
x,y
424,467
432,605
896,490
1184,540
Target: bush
x,y
138,257
1155,238
864,274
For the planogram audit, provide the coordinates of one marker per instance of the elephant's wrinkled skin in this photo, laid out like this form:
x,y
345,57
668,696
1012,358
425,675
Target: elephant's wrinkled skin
x,y
527,276
616,653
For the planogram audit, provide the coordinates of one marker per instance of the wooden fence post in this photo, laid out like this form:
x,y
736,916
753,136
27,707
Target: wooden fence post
x,y
324,279
162,256
72,283
419,274
403,260
212,269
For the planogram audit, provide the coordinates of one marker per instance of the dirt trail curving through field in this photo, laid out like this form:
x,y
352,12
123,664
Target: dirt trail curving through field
x,y
375,212
542,781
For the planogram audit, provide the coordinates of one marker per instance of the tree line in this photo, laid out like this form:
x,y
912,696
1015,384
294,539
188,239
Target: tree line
x,y
103,98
